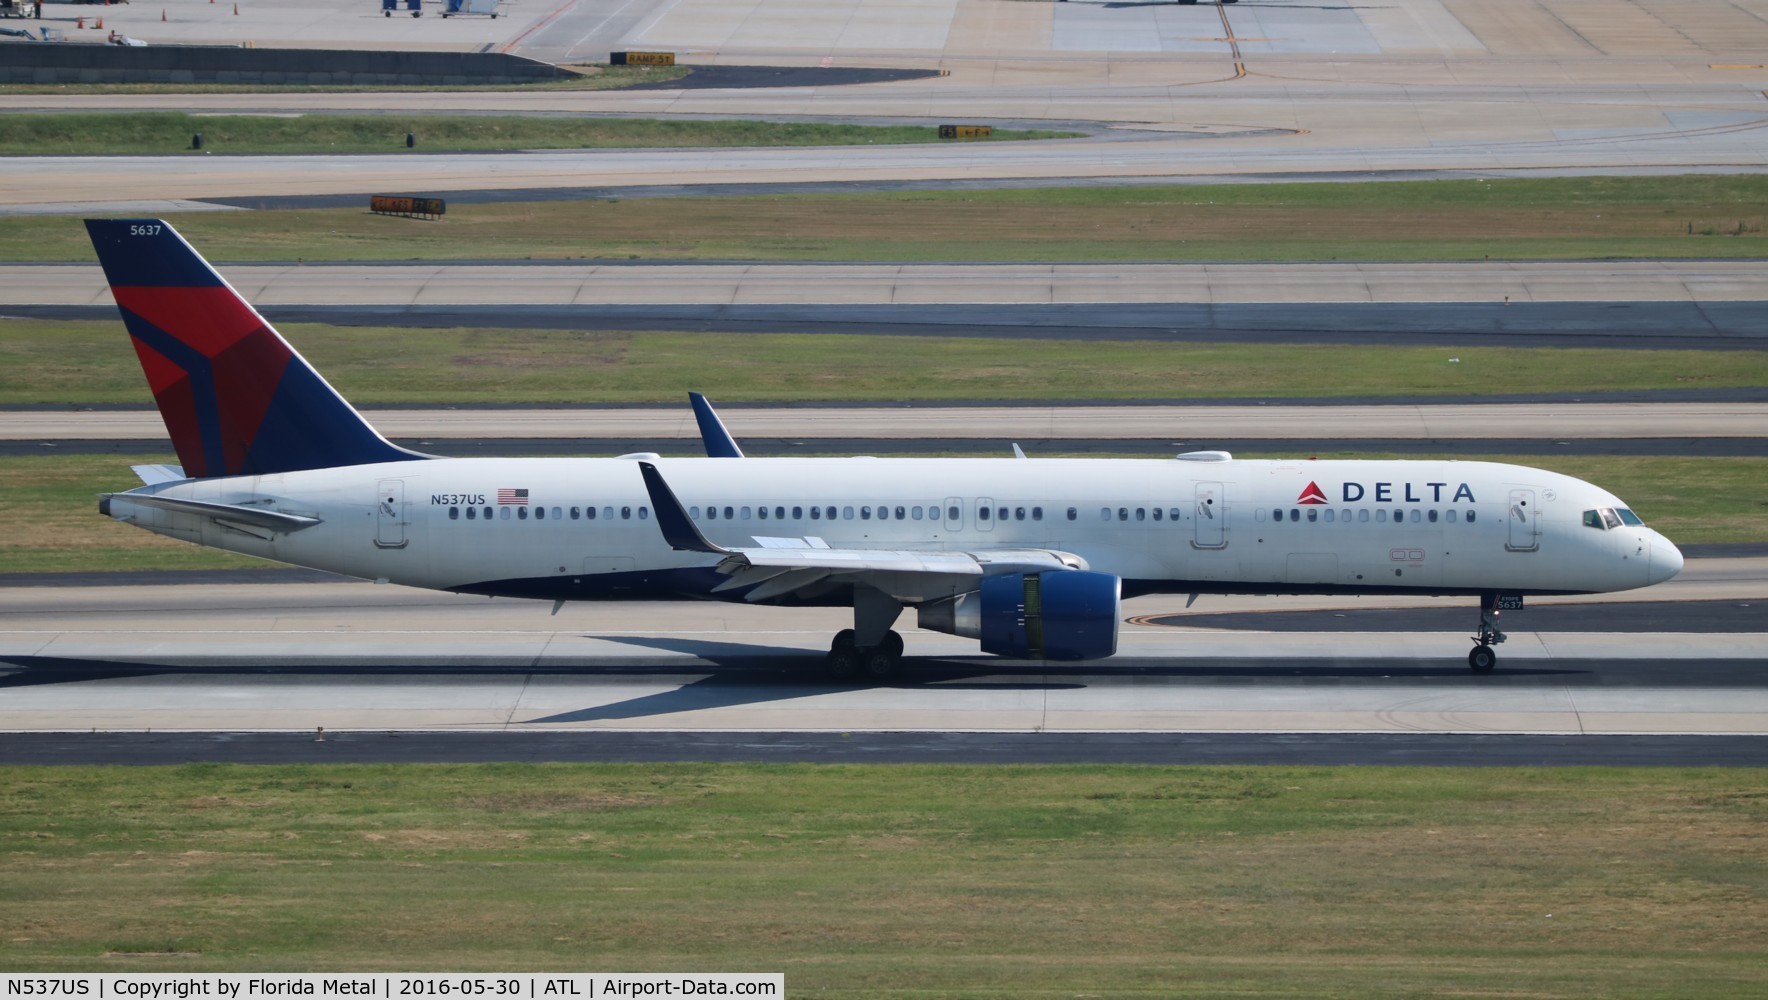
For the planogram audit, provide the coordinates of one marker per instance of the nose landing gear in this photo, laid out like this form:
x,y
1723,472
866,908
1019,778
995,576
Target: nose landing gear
x,y
1482,659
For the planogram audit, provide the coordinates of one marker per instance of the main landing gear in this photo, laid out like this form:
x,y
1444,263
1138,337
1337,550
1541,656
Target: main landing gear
x,y
870,648
847,660
1482,659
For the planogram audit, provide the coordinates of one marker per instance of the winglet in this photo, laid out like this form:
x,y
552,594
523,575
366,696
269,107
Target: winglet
x,y
678,529
718,441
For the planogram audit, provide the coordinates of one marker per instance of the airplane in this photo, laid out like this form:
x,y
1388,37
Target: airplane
x,y
1030,556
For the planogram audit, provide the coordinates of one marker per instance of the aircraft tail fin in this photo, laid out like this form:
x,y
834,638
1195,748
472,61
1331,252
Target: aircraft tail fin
x,y
236,398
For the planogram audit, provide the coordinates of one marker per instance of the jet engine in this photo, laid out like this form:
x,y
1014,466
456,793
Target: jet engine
x,y
1069,615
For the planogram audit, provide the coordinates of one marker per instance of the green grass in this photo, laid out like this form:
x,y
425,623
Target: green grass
x,y
51,504
1555,218
44,361
907,881
139,133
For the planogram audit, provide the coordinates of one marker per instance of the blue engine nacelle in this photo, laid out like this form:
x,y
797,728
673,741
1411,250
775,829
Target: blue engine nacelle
x,y
1050,616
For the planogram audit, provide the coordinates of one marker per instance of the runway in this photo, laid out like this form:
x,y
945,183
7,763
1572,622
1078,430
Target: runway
x,y
357,657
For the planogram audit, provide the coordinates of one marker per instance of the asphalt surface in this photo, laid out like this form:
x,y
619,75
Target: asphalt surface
x,y
1293,749
1702,617
1621,325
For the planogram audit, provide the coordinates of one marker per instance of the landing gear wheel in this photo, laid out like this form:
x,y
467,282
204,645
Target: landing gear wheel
x,y
843,639
1482,659
893,642
843,663
879,663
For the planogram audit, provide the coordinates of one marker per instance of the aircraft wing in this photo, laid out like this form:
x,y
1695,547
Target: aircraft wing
x,y
778,566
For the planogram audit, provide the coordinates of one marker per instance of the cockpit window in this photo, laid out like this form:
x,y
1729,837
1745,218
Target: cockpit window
x,y
1610,518
1593,519
1628,517
1605,518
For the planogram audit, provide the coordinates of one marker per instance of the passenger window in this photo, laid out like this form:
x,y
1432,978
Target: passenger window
x,y
1259,515
1157,513
540,513
626,513
521,513
760,512
730,514
915,512
1363,516
472,513
607,513
745,513
1331,515
577,513
1104,513
797,513
644,513
503,513
953,513
1037,513
1295,513
1415,517
1381,515
1470,517
589,513
454,513
1432,516
1072,513
1141,513
865,513
982,513
779,513
557,513
712,513
1313,514
1276,513
816,513
1123,513
1345,515
900,513
1172,514
1449,515
829,512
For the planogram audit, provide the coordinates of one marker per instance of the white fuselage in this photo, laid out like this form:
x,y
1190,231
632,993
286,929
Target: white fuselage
x,y
1160,525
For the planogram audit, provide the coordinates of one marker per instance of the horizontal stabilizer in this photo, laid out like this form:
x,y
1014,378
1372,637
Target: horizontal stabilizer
x,y
259,517
153,475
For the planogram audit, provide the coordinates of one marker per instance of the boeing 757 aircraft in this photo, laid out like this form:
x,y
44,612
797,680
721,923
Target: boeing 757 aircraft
x,y
1030,556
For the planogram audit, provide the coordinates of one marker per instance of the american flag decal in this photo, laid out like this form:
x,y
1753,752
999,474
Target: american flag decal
x,y
512,496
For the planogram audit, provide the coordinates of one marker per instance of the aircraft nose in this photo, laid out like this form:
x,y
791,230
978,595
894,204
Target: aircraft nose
x,y
1665,559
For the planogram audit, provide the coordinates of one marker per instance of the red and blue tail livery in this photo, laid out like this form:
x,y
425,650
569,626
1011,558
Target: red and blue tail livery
x,y
236,398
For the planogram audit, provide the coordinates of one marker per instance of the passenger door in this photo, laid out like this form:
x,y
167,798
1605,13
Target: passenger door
x,y
1525,522
1209,517
389,518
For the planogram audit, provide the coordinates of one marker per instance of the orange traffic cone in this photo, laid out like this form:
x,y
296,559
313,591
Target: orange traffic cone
x,y
99,26
79,22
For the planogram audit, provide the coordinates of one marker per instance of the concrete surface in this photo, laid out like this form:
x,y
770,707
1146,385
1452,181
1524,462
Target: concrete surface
x,y
357,656
1451,421
589,283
